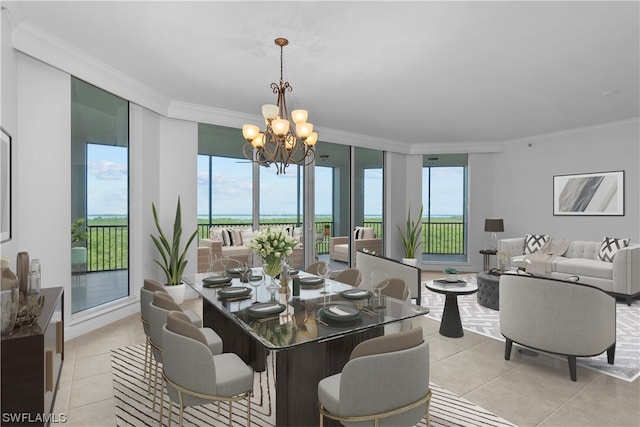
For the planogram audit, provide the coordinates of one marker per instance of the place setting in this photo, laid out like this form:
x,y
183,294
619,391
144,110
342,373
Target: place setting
x,y
235,293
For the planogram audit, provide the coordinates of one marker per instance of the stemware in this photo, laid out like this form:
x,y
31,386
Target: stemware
x,y
256,278
379,281
325,272
224,260
244,270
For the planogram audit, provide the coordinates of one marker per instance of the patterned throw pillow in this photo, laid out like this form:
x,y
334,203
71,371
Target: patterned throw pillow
x,y
533,242
215,234
227,237
609,247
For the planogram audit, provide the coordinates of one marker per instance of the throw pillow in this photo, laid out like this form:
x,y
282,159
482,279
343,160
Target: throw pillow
x,y
246,236
358,233
227,237
533,242
215,234
609,247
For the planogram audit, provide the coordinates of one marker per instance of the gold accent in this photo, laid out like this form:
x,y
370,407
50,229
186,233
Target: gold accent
x,y
49,370
59,337
377,417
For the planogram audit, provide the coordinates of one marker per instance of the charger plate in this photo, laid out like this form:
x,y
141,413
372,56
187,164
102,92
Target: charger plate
x,y
265,309
311,282
234,292
340,313
356,294
216,281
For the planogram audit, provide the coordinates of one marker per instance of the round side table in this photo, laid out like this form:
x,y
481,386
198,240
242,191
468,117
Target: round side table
x,y
451,325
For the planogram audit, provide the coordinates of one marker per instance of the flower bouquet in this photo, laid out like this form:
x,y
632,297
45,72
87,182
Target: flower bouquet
x,y
272,245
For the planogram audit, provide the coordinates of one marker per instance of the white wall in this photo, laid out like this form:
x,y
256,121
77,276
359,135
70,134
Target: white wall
x,y
523,181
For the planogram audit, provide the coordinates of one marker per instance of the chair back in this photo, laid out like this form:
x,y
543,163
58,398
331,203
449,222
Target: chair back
x,y
158,310
401,377
350,276
315,267
189,364
397,288
216,264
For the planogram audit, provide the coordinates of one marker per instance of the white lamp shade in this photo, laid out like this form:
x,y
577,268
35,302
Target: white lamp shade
x,y
269,111
280,126
299,116
249,132
304,129
258,142
311,139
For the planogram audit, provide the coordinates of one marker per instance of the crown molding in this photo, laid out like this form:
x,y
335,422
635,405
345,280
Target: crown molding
x,y
591,128
33,41
457,147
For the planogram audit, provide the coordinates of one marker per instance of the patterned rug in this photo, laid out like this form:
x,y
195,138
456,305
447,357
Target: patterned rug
x,y
486,321
134,404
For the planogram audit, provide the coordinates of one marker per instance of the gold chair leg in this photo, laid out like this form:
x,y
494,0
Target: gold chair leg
x,y
230,415
249,411
181,406
162,410
155,387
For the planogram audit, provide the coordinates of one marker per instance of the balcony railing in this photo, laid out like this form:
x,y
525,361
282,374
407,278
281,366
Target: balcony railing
x,y
107,245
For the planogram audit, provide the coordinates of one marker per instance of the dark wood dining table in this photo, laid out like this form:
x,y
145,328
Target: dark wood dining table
x,y
307,345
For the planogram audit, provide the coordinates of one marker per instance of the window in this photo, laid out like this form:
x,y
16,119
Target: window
x,y
444,200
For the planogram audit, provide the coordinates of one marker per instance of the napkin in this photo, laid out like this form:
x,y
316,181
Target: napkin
x,y
356,293
338,311
263,308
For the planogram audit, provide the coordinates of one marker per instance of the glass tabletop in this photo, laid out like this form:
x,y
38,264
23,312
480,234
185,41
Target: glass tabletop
x,y
282,321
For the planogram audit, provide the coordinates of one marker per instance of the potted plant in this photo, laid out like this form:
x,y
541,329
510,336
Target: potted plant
x,y
410,237
79,237
173,260
327,229
451,274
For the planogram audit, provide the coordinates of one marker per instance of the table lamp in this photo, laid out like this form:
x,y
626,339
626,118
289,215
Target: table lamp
x,y
494,226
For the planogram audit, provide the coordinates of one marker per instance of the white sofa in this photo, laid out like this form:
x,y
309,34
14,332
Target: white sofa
x,y
558,317
234,245
364,238
620,278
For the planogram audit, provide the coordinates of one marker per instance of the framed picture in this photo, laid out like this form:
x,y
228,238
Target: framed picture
x,y
599,193
5,184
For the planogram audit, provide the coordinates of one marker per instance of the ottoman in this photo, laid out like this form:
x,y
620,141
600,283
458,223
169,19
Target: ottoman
x,y
488,290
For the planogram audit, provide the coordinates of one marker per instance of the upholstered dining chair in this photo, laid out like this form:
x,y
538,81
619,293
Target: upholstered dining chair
x,y
394,371
398,290
146,296
315,268
194,376
161,305
350,276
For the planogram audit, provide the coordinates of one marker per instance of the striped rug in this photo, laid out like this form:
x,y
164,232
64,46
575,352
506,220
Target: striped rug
x,y
134,405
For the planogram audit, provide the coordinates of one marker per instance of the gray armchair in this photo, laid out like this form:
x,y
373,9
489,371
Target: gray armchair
x,y
350,276
394,371
555,316
195,376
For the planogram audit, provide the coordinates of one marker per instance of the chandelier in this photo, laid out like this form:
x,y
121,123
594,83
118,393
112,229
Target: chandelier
x,y
281,143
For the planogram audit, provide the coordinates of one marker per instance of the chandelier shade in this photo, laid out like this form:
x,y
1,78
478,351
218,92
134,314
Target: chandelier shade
x,y
287,139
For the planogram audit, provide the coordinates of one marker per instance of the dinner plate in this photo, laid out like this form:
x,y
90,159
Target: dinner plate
x,y
340,313
356,294
234,292
236,271
311,282
264,309
293,271
216,281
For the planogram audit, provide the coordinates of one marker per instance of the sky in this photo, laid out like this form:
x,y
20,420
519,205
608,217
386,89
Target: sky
x,y
232,184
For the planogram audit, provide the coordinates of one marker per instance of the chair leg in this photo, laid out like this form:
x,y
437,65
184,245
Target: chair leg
x,y
611,354
155,386
507,348
249,411
162,409
572,367
181,406
230,415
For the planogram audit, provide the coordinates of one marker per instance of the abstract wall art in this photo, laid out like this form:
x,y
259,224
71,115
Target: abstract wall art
x,y
599,193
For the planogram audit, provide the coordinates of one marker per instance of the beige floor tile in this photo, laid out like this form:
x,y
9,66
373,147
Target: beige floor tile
x,y
92,365
61,404
98,414
441,349
67,365
102,344
90,390
620,398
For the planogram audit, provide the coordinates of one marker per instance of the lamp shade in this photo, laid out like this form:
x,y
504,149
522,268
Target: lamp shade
x,y
494,225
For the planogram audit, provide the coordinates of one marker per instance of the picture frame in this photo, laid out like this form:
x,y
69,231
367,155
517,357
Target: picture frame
x,y
589,194
5,185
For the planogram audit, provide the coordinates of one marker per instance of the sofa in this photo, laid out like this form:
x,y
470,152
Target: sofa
x,y
232,242
615,271
364,238
558,317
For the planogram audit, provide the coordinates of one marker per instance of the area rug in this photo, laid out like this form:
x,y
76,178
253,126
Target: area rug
x,y
134,404
486,321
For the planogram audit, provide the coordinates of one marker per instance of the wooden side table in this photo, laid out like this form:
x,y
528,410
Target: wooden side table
x,y
486,253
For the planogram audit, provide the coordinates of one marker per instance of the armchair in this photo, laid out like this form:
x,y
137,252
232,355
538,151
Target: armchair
x,y
339,246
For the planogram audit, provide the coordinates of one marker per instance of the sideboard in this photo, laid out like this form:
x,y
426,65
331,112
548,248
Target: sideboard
x,y
32,359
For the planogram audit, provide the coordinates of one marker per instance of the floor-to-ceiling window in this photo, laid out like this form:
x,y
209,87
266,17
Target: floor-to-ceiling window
x,y
444,198
99,196
368,201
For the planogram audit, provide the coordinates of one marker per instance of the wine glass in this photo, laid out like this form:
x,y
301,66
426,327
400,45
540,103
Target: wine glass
x,y
224,261
325,272
256,278
379,281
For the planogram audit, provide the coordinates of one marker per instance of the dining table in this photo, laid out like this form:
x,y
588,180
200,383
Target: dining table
x,y
310,335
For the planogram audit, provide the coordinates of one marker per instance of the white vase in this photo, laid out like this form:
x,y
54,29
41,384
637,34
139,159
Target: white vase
x,y
410,261
451,277
176,292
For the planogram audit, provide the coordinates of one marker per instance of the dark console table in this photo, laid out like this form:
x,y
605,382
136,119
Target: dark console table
x,y
31,363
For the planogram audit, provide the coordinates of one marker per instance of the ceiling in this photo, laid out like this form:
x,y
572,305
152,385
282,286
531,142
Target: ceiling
x,y
422,72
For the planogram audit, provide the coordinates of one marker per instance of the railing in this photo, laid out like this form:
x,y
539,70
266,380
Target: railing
x,y
107,245
107,248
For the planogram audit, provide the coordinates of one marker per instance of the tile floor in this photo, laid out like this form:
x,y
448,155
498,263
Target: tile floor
x,y
528,391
